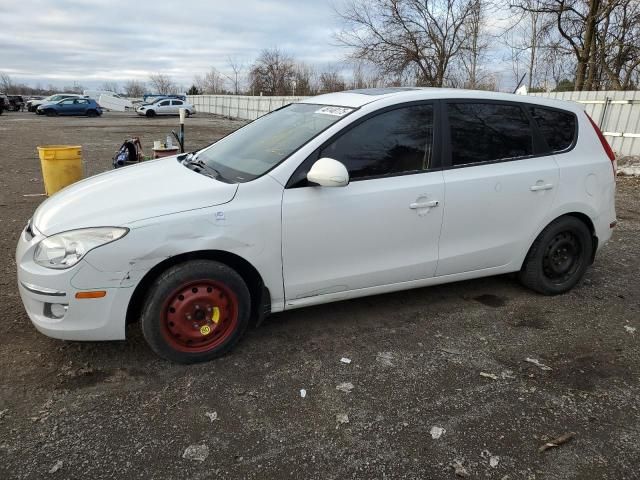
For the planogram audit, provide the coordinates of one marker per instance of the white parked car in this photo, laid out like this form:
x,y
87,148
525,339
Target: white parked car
x,y
165,106
338,196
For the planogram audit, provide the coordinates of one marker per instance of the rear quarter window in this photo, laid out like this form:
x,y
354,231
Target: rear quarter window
x,y
558,128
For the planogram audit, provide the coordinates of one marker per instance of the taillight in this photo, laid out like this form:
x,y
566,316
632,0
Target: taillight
x,y
605,144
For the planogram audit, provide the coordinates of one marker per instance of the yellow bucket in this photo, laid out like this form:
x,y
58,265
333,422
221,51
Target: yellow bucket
x,y
61,166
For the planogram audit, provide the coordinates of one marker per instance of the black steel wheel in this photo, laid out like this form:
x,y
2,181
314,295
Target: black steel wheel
x,y
559,256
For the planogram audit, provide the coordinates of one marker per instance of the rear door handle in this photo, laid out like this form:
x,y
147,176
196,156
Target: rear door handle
x,y
537,188
430,204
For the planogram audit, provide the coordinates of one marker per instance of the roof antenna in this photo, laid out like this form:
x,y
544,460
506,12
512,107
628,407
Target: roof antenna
x,y
520,82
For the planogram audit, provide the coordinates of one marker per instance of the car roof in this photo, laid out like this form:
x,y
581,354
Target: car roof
x,y
358,98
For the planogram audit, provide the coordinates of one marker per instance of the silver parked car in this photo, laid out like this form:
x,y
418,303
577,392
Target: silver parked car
x,y
165,106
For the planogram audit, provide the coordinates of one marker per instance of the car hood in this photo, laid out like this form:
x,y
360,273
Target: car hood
x,y
116,198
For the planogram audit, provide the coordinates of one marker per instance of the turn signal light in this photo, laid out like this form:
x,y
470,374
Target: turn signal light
x,y
93,294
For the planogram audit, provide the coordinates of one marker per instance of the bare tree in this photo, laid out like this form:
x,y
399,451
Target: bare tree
x,y
75,88
364,77
134,88
618,41
162,83
331,80
273,73
406,38
475,45
211,83
111,86
603,36
236,71
6,84
529,35
304,81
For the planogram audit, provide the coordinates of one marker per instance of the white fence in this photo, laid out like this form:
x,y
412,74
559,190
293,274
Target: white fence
x,y
617,113
239,106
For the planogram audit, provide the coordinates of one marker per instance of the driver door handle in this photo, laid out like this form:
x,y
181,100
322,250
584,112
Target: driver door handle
x,y
537,188
430,204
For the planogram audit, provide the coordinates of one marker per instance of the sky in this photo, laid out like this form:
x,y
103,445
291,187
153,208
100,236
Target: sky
x,y
60,42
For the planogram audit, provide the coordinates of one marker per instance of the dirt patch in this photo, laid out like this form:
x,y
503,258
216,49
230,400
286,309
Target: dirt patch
x,y
592,369
531,316
490,300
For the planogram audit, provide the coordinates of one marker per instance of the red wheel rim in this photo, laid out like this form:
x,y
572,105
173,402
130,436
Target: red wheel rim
x,y
199,316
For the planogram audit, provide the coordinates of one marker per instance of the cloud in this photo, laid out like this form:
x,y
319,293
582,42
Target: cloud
x,y
90,41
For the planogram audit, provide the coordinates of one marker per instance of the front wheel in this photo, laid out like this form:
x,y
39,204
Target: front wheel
x,y
196,311
559,257
51,113
150,113
92,113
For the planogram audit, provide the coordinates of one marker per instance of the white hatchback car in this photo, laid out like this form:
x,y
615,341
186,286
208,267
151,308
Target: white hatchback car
x,y
165,106
339,196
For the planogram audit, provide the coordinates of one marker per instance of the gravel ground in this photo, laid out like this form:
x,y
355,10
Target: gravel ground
x,y
450,357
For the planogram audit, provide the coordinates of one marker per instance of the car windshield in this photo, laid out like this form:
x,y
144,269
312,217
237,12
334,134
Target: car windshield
x,y
261,145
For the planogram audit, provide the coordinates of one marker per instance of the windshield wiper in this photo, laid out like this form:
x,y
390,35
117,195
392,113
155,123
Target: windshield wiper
x,y
192,160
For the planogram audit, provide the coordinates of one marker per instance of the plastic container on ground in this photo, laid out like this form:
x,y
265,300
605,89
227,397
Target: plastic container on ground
x,y
61,166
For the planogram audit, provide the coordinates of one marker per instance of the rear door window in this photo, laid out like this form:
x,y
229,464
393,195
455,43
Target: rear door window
x,y
176,102
557,127
394,142
486,132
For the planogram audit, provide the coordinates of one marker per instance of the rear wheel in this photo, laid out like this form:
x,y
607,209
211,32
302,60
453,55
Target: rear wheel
x,y
150,113
196,311
559,257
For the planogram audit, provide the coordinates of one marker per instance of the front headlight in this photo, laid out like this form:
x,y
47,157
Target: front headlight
x,y
66,249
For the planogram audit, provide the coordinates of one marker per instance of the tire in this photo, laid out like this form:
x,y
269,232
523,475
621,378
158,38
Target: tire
x,y
188,113
559,257
150,113
51,113
195,311
92,113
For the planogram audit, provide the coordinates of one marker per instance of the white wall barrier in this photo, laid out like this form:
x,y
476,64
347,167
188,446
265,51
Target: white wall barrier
x,y
239,106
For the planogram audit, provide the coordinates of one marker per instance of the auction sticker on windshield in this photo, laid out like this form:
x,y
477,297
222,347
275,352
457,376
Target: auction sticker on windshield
x,y
337,111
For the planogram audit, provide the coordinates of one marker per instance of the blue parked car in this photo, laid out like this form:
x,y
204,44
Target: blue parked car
x,y
71,106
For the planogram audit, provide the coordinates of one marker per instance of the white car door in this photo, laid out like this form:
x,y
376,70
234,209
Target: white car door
x,y
164,107
500,186
176,105
380,229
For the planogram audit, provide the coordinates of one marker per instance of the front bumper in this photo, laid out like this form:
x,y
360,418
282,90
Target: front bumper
x,y
46,293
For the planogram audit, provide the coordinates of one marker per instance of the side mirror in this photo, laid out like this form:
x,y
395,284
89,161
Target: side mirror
x,y
328,172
